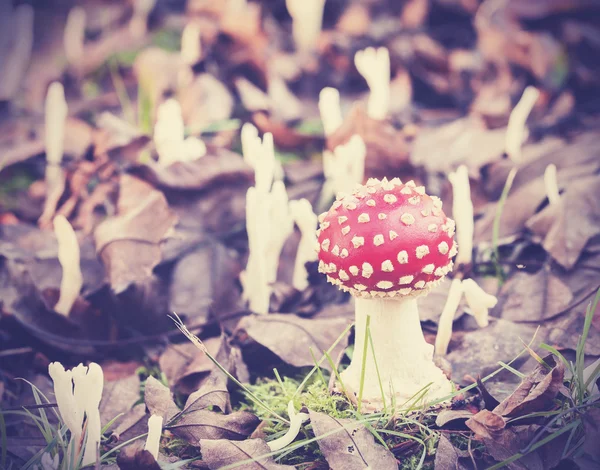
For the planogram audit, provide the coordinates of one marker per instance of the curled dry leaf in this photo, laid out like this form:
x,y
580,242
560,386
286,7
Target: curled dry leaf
x,y
135,457
220,453
346,444
291,337
387,148
205,101
536,392
129,242
159,400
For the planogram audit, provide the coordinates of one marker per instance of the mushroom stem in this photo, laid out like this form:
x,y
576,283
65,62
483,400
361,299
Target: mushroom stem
x,y
404,359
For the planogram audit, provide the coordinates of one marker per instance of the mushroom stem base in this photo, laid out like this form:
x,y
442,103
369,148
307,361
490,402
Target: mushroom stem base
x,y
402,356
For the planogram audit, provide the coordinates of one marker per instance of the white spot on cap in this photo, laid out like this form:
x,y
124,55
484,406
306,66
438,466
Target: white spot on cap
x,y
426,212
358,241
322,216
372,182
353,270
378,240
403,257
317,247
363,218
332,268
335,251
387,266
406,280
325,225
393,235
411,184
387,185
325,244
371,203
350,206
406,190
343,275
359,287
336,205
345,230
390,198
318,232
407,219
437,202
414,200
420,284
381,216
428,269
385,284
439,272
344,253
372,190
443,247
422,251
405,291
432,228
342,219
322,267
367,270
453,250
420,190
396,181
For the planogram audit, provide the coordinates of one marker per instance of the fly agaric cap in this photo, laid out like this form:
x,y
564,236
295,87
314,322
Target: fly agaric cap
x,y
386,239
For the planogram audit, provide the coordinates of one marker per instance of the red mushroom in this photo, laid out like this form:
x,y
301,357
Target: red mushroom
x,y
386,244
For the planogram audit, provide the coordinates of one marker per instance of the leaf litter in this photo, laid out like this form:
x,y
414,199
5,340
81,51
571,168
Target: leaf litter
x,y
158,239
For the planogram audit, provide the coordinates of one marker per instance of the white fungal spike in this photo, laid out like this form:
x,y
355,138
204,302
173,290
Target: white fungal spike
x,y
69,258
329,107
152,445
390,198
307,18
367,270
363,218
358,241
422,251
378,240
374,65
462,209
407,219
55,115
551,183
138,24
387,266
406,280
516,131
74,35
385,284
403,257
191,48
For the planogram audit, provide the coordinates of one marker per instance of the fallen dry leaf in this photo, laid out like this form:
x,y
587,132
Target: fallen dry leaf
x,y
348,445
533,297
135,457
219,453
292,337
447,457
159,400
536,392
203,424
566,227
128,243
